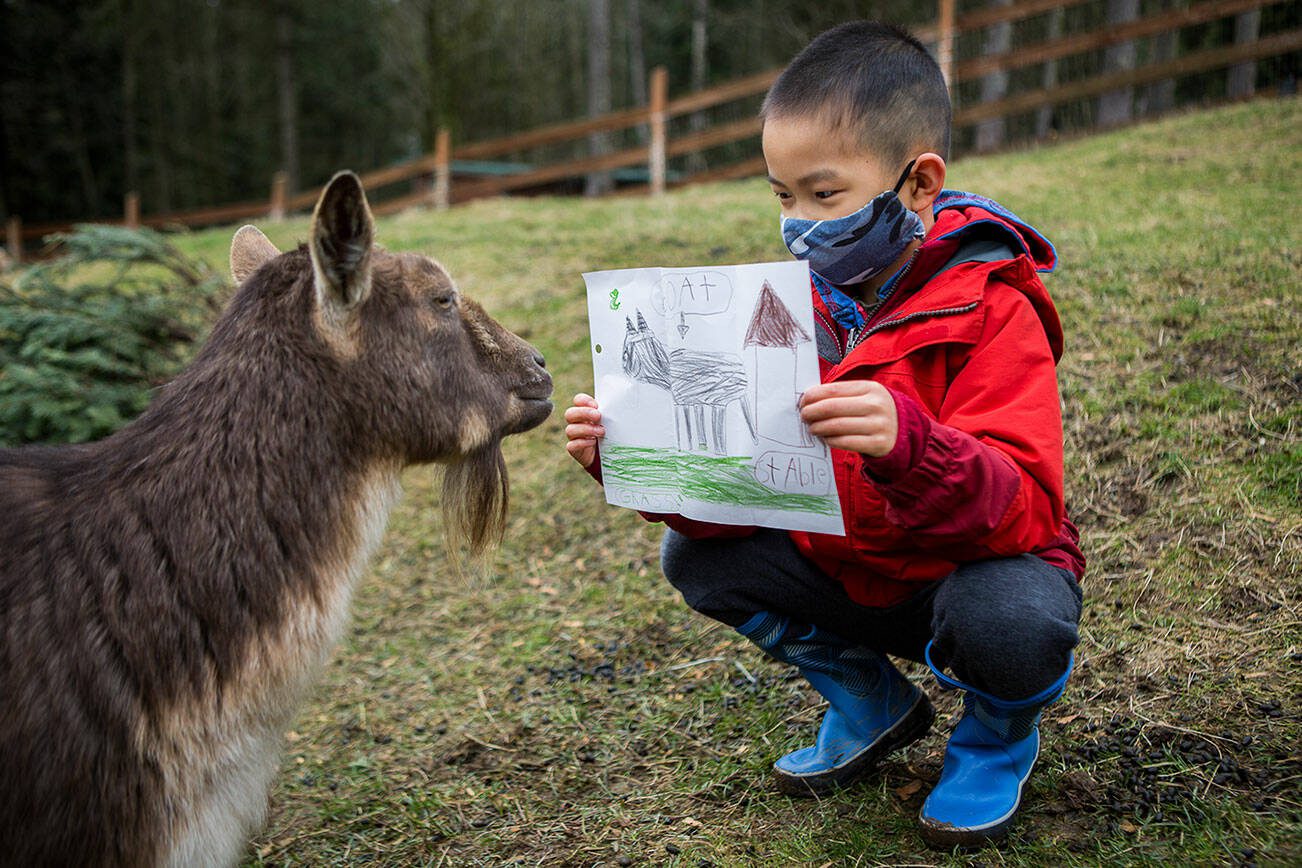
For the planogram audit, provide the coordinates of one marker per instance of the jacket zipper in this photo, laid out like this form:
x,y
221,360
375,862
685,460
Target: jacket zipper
x,y
944,311
854,340
851,338
897,280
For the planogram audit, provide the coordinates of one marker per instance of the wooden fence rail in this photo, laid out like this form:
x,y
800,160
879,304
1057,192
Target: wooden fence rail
x,y
434,176
1199,61
1078,43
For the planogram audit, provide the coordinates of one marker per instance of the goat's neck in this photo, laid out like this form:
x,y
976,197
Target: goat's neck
x,y
249,487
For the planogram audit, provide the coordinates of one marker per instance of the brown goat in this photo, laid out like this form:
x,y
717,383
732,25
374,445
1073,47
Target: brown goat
x,y
168,594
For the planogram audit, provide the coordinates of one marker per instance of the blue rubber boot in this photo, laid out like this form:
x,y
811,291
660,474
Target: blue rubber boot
x,y
872,708
987,762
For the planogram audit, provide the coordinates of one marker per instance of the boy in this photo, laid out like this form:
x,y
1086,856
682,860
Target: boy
x,y
939,400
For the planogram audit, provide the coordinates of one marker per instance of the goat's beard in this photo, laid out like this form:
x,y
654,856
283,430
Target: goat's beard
x,y
476,492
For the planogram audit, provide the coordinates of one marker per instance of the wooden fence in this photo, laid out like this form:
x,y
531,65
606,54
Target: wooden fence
x,y
435,181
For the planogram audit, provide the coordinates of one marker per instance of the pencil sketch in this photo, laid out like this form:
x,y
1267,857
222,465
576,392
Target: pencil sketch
x,y
696,380
773,335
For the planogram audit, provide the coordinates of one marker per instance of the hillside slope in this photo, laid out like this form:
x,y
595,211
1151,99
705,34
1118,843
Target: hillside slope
x,y
564,707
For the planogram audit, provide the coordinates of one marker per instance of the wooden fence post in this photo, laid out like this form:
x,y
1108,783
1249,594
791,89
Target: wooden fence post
x,y
131,210
945,42
656,155
279,193
14,238
441,195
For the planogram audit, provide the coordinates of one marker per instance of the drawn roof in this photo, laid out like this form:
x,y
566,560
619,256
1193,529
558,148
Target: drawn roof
x,y
772,324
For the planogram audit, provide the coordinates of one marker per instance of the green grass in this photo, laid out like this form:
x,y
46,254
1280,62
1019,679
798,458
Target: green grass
x,y
708,478
564,707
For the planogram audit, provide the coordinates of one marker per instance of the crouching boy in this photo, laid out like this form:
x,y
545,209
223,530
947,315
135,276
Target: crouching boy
x,y
939,400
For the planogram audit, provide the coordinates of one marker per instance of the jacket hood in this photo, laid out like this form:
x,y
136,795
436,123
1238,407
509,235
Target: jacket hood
x,y
962,216
975,239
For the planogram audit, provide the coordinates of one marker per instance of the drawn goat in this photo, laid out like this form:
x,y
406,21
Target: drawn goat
x,y
168,594
695,380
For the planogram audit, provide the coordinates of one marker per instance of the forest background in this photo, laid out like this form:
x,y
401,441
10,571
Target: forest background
x,y
192,102
195,102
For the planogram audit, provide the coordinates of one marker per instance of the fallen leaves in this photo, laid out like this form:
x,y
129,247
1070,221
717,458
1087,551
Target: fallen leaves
x,y
909,789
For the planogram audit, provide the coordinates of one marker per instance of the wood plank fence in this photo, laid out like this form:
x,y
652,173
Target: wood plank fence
x,y
435,180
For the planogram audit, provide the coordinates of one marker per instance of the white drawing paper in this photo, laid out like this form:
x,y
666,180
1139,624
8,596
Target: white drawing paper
x,y
698,372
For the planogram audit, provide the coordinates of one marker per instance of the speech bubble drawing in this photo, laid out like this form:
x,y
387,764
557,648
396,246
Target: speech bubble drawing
x,y
693,292
793,472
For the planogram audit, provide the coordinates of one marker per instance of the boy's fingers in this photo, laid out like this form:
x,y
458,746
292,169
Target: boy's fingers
x,y
831,408
580,432
838,389
834,428
583,399
583,414
863,445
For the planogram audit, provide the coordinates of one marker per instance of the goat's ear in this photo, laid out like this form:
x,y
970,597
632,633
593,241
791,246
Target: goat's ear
x,y
342,235
250,250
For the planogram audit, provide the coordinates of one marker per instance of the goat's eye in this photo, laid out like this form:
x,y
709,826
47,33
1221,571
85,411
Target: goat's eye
x,y
444,301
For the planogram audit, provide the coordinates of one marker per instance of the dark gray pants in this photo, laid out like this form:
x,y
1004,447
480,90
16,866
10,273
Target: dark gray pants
x,y
1004,626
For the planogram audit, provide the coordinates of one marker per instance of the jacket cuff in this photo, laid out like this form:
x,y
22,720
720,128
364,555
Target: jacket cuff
x,y
914,427
594,469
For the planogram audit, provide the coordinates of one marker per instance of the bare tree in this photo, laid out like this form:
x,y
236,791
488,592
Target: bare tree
x,y
1159,96
160,155
1049,75
1243,76
636,59
699,72
994,85
130,50
598,183
287,97
1116,107
78,134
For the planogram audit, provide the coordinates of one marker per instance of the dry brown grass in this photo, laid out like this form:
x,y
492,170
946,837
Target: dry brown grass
x,y
564,708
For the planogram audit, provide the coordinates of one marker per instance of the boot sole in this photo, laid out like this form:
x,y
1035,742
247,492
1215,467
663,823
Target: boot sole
x,y
913,726
944,837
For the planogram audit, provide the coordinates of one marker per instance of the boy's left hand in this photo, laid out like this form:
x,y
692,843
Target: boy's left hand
x,y
857,415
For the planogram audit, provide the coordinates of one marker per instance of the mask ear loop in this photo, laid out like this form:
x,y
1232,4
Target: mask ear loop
x,y
905,176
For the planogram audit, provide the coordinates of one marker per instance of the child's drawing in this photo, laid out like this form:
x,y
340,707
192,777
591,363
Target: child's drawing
x,y
697,381
700,406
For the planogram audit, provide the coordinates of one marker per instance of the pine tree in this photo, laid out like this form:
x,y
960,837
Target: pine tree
x,y
85,337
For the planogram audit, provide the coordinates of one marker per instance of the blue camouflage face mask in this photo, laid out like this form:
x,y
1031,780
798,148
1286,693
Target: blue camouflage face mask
x,y
853,248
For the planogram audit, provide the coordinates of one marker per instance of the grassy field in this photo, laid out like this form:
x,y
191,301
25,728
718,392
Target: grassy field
x,y
563,707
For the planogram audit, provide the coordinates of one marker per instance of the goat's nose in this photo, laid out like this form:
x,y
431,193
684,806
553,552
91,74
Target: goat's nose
x,y
538,358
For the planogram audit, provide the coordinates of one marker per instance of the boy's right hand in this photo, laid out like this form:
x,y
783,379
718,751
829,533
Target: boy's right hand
x,y
583,428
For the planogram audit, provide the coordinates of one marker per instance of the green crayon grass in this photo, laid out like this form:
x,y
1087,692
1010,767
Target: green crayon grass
x,y
711,478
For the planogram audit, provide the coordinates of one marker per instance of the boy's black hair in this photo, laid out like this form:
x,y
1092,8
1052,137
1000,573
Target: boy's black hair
x,y
873,80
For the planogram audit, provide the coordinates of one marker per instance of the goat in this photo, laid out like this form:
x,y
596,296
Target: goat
x,y
168,594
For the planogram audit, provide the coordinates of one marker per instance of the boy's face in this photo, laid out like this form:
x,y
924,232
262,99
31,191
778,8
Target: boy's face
x,y
820,173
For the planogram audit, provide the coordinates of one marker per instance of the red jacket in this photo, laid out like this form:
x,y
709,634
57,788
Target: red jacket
x,y
968,350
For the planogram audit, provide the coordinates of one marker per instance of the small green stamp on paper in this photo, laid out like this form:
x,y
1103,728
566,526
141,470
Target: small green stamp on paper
x,y
614,299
